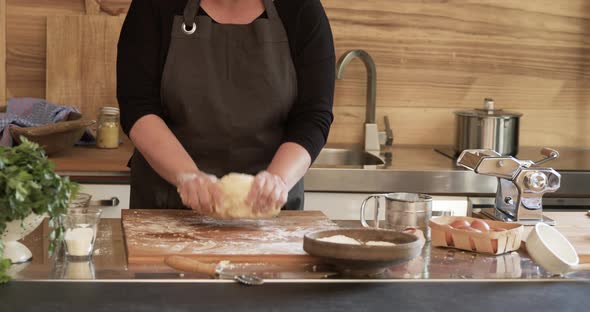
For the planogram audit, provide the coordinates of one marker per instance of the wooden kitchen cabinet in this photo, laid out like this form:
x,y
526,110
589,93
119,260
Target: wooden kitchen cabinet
x,y
102,192
346,206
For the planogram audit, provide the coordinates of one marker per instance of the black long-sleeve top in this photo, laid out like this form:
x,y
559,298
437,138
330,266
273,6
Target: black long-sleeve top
x,y
143,47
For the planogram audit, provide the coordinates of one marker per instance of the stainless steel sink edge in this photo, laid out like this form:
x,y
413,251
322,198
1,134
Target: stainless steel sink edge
x,y
340,157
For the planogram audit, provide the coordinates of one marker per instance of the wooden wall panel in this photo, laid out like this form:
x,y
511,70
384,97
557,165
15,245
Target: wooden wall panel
x,y
436,126
81,61
26,40
2,52
433,57
25,59
26,43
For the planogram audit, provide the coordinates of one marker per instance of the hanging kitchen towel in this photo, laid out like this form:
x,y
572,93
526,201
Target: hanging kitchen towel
x,y
31,112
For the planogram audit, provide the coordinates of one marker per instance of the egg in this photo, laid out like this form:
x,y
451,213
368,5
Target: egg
x,y
470,229
460,223
480,225
410,230
448,235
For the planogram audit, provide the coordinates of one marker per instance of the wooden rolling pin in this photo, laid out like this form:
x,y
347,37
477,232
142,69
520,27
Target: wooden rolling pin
x,y
186,264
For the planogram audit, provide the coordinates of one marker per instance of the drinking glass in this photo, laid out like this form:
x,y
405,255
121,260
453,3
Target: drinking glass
x,y
80,226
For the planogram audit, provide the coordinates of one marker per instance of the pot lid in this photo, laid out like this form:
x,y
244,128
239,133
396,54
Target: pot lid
x,y
488,111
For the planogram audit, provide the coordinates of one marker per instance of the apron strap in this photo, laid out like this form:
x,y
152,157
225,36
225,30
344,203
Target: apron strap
x,y
190,12
271,10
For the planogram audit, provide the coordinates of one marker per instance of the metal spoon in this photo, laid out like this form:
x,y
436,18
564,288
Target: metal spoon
x,y
249,280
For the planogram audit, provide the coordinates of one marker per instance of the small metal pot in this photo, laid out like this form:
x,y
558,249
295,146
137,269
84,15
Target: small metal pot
x,y
488,128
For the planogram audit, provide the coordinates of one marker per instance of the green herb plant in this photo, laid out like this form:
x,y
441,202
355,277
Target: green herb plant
x,y
28,184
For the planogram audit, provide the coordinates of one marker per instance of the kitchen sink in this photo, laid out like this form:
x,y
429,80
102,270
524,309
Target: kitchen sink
x,y
336,157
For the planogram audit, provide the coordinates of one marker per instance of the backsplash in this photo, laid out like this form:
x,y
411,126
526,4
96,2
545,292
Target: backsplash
x,y
433,57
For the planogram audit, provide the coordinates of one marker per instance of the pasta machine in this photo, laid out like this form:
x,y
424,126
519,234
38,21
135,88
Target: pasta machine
x,y
521,183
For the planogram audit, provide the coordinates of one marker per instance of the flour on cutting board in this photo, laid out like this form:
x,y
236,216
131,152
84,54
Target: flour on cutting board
x,y
184,232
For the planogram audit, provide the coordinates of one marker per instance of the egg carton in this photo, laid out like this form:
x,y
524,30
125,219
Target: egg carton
x,y
495,243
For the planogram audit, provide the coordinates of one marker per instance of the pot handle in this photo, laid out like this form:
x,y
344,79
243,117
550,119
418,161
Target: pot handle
x,y
375,216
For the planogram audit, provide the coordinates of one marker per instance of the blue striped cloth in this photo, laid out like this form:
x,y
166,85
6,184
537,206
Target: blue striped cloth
x,y
31,112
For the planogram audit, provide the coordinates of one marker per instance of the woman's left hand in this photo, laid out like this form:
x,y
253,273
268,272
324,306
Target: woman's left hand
x,y
268,192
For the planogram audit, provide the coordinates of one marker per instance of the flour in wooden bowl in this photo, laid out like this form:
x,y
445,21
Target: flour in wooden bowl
x,y
343,239
340,239
379,243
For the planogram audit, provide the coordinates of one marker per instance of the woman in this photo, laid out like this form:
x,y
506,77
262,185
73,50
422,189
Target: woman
x,y
208,87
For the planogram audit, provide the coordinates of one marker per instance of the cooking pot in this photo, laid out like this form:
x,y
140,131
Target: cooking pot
x,y
487,128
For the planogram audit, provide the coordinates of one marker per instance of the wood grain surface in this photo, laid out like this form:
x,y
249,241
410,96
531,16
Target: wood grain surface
x,y
152,235
433,57
110,7
92,7
2,52
576,227
92,159
81,61
26,42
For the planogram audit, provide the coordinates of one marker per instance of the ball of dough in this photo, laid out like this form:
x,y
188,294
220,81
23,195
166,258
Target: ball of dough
x,y
235,187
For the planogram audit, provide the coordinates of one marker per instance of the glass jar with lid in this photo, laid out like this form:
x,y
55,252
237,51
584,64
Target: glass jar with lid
x,y
107,132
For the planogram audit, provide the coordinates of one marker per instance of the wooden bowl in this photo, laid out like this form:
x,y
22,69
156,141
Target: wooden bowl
x,y
54,138
363,260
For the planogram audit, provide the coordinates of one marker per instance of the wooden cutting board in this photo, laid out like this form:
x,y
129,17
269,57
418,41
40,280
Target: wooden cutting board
x,y
81,61
575,226
152,235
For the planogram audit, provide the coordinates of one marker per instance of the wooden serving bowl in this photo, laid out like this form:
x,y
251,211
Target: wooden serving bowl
x,y
54,138
363,260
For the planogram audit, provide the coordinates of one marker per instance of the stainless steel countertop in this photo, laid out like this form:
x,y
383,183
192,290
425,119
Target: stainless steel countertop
x,y
410,168
109,264
417,168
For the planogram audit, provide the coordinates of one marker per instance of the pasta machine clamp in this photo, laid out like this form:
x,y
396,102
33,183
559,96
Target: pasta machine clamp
x,y
521,184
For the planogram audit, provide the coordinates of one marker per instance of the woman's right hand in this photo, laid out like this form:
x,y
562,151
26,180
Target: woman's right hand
x,y
199,191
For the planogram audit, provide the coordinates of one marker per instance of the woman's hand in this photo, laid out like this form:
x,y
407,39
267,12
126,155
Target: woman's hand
x,y
199,191
268,192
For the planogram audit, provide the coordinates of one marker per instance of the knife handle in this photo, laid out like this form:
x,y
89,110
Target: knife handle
x,y
186,264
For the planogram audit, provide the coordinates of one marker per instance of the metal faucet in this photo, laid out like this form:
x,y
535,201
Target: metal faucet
x,y
372,136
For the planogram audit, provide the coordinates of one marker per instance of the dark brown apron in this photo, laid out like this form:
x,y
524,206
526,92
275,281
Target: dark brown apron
x,y
226,92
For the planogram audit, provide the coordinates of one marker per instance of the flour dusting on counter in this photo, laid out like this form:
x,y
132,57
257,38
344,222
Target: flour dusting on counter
x,y
153,233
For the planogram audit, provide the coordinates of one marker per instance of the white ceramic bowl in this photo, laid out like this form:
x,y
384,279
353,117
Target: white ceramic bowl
x,y
552,251
16,230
